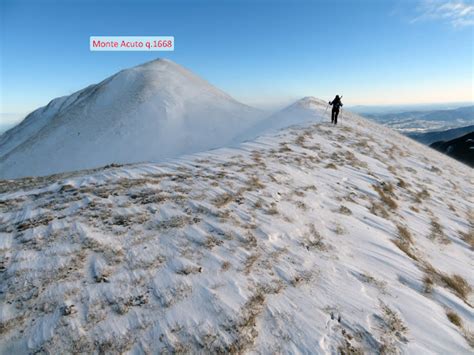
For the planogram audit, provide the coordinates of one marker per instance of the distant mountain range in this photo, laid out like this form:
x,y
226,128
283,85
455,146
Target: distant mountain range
x,y
436,136
447,130
413,122
385,109
461,148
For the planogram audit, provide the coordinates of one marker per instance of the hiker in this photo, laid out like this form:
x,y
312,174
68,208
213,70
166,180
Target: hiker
x,y
336,104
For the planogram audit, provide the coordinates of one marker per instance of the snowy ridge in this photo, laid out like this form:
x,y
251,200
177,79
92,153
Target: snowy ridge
x,y
151,112
314,239
308,109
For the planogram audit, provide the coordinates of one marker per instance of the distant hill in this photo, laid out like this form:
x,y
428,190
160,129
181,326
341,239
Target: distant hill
x,y
431,137
461,148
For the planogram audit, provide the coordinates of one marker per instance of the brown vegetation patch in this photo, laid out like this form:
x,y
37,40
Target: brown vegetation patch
x,y
34,222
468,237
313,240
454,318
254,183
345,210
401,183
272,210
385,192
458,284
454,282
225,266
378,209
405,247
421,195
437,233
223,200
427,284
404,234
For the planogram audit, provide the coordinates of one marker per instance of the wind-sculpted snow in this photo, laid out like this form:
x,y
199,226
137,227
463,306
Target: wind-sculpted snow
x,y
308,109
315,239
151,112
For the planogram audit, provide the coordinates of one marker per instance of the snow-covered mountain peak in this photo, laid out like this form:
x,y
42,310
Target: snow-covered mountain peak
x,y
165,74
150,112
310,102
307,109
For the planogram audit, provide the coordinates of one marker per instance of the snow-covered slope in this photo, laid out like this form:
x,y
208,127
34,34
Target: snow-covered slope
x,y
308,109
314,239
147,113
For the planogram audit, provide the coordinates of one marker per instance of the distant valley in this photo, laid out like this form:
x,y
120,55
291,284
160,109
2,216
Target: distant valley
x,y
415,122
448,131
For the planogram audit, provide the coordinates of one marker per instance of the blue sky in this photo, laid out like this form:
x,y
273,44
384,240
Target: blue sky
x,y
262,52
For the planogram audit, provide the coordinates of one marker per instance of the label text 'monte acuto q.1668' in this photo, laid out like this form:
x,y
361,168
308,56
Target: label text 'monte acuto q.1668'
x,y
131,43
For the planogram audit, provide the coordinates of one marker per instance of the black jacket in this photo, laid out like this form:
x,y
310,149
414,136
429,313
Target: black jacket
x,y
336,103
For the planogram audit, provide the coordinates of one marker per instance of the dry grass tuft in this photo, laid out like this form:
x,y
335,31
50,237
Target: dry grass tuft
x,y
211,241
379,210
393,321
380,284
345,210
352,160
255,184
392,169
331,166
405,242
454,318
284,148
313,240
272,210
244,330
435,169
414,209
251,259
338,229
302,205
257,157
457,284
405,247
422,195
300,141
437,232
350,197
401,183
225,266
405,234
346,348
468,237
469,336
223,200
427,284
384,192
388,188
454,282
394,330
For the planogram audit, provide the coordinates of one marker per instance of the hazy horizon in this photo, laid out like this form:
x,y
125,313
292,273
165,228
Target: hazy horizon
x,y
9,120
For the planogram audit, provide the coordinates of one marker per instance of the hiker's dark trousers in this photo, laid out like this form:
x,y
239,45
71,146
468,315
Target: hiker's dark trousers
x,y
334,115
